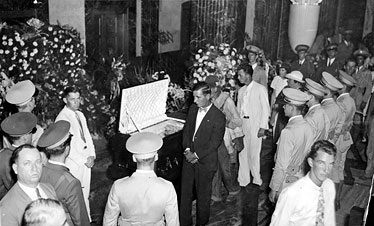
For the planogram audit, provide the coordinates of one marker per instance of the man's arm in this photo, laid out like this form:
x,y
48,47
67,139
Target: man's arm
x,y
283,209
75,204
171,210
112,209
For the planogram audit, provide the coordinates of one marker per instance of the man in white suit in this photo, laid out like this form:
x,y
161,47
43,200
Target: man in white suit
x,y
253,107
82,151
143,198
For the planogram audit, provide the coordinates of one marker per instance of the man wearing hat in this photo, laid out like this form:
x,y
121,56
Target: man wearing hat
x,y
329,105
345,48
316,116
27,164
331,64
203,133
344,141
302,64
143,198
82,154
293,144
19,129
55,141
295,79
233,134
362,90
260,68
22,95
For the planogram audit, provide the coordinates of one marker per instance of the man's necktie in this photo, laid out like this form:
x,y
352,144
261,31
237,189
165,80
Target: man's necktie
x,y
320,209
80,127
38,193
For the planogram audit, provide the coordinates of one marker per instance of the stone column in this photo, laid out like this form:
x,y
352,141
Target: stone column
x,y
368,23
69,12
250,18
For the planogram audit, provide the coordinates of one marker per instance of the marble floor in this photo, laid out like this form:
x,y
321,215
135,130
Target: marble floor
x,y
228,211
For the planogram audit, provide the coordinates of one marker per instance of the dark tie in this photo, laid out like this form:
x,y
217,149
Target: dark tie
x,y
320,209
80,127
38,193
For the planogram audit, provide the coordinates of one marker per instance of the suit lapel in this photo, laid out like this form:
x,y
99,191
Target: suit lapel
x,y
205,120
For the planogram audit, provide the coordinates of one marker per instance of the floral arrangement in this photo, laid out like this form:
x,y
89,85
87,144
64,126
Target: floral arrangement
x,y
219,60
51,56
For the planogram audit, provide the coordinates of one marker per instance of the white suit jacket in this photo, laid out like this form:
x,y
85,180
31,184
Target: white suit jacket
x,y
79,150
252,95
142,199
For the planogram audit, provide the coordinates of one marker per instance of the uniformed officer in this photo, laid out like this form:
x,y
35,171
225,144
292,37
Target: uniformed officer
x,y
293,145
316,116
143,198
332,85
22,95
19,129
302,64
295,79
344,141
56,143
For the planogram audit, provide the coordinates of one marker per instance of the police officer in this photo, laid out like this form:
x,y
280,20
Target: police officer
x,y
19,129
329,105
56,143
293,145
316,116
143,198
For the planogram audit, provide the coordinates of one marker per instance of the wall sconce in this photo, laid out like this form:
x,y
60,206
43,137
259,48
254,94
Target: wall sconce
x,y
303,22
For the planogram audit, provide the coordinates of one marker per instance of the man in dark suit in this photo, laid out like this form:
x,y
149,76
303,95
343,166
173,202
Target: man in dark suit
x,y
19,129
330,64
302,64
27,164
56,143
202,135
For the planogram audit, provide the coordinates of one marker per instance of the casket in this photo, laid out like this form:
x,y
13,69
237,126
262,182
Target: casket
x,y
143,108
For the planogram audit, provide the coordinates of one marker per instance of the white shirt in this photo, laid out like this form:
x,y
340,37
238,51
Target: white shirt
x,y
301,61
31,192
330,61
297,204
57,163
199,118
278,84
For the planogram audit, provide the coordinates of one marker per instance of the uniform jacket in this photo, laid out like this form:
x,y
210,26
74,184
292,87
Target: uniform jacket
x,y
348,108
293,145
335,115
68,190
15,201
208,137
6,177
142,199
79,150
307,68
344,52
319,121
333,69
361,92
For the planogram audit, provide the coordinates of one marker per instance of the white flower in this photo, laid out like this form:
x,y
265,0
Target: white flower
x,y
55,39
34,43
1,51
4,37
208,53
200,51
7,52
199,70
50,28
200,60
22,43
53,80
205,57
232,53
211,47
15,48
197,56
4,43
21,75
55,46
33,71
35,51
11,68
226,51
67,63
17,37
233,62
219,63
73,54
24,53
210,64
27,72
61,50
32,54
72,64
195,64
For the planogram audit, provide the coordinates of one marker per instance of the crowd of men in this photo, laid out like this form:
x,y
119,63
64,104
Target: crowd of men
x,y
313,112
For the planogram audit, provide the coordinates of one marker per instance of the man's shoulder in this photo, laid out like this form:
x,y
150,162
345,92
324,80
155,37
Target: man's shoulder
x,y
12,197
5,154
58,173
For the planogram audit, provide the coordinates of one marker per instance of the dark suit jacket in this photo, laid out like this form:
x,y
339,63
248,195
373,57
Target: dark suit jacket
x,y
333,69
6,177
208,137
69,192
307,68
13,205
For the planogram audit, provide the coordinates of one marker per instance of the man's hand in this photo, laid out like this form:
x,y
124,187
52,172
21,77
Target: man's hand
x,y
238,143
90,161
273,196
190,156
261,132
